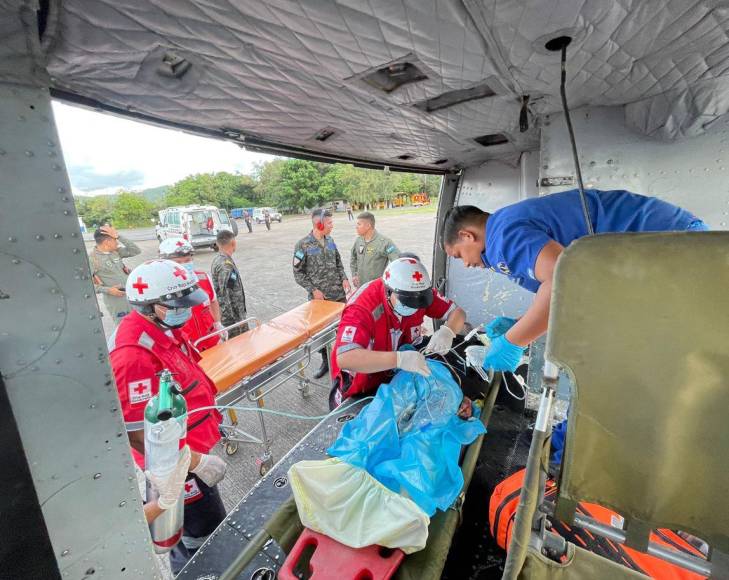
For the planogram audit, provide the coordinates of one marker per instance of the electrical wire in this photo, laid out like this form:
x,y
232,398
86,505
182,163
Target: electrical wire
x,y
573,143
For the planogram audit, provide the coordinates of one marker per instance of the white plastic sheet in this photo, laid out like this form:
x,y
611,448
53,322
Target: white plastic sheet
x,y
346,503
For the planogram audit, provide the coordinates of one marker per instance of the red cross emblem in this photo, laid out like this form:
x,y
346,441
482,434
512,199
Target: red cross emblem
x,y
140,285
140,388
188,487
387,275
417,276
179,244
180,273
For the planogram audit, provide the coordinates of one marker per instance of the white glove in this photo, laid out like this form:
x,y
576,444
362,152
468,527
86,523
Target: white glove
x,y
211,469
170,488
441,341
219,326
412,361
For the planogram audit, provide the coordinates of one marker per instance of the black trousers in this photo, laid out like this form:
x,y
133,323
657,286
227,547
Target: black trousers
x,y
202,516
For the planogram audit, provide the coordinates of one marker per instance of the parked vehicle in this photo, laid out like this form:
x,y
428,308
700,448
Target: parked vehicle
x,y
258,214
199,224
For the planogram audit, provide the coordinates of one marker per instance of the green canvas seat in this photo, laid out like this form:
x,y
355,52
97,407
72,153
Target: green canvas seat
x,y
641,322
580,565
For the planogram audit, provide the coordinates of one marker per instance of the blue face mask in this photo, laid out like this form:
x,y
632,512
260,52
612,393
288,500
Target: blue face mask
x,y
189,266
403,310
177,317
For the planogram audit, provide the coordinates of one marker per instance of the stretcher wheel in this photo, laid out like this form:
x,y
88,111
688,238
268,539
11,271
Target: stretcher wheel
x,y
231,448
264,464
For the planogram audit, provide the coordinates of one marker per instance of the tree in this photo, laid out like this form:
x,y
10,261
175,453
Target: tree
x,y
297,186
131,209
220,189
95,211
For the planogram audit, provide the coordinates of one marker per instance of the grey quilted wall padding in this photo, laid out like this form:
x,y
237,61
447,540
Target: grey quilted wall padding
x,y
284,69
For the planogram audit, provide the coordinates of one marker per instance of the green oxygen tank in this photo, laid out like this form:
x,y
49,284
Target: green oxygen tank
x,y
165,431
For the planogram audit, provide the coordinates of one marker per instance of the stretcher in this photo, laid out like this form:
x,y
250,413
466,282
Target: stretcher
x,y
254,363
258,534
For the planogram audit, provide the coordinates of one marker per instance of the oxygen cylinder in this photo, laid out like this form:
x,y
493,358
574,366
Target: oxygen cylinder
x,y
165,431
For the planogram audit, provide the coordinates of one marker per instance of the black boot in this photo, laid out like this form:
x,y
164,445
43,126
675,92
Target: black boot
x,y
324,368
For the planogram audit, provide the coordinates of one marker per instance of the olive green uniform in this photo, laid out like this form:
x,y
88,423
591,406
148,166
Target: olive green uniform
x,y
369,259
109,271
231,295
318,266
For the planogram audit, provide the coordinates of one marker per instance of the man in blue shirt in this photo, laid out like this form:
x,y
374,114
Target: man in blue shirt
x,y
524,240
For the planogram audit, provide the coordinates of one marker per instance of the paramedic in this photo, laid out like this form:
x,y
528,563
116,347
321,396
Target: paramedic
x,y
206,316
524,240
146,341
382,316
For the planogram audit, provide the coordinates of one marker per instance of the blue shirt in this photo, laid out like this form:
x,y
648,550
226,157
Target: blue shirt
x,y
515,234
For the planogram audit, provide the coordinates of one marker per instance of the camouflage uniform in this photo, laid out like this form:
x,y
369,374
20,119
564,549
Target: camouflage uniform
x,y
108,271
369,259
318,266
231,296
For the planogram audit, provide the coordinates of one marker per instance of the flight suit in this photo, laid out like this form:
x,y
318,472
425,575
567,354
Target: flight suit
x,y
318,266
228,286
109,269
369,259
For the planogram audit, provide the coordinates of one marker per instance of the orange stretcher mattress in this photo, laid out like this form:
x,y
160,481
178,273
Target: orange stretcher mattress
x,y
230,362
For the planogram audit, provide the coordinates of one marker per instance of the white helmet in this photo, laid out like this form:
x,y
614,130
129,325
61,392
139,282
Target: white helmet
x,y
409,280
163,282
175,248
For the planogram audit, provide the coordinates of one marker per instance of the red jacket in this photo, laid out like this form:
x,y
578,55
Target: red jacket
x,y
202,321
368,321
139,349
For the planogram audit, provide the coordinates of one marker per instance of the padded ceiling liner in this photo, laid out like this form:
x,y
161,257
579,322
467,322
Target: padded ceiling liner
x,y
282,70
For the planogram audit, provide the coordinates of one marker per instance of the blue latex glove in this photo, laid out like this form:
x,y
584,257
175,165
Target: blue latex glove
x,y
499,326
503,356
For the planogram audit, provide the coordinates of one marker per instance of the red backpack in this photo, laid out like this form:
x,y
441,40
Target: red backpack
x,y
502,511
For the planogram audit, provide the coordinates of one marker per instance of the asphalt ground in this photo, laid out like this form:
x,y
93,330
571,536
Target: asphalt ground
x,y
265,262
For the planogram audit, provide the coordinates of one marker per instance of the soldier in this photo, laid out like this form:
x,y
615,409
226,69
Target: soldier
x,y
109,272
371,251
318,268
229,284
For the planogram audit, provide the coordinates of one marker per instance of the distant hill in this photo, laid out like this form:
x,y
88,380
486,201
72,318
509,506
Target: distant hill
x,y
154,194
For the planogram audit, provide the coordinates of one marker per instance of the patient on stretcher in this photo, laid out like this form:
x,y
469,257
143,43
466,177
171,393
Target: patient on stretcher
x,y
396,464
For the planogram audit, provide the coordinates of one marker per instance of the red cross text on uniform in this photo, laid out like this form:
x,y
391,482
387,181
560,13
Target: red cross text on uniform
x,y
417,276
139,285
180,273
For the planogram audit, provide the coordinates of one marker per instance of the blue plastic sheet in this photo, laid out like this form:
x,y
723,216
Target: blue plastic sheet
x,y
409,437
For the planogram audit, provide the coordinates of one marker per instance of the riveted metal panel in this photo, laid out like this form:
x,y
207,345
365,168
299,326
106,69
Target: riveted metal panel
x,y
484,294
54,358
692,173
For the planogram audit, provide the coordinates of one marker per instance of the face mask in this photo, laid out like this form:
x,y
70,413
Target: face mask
x,y
177,317
189,266
403,310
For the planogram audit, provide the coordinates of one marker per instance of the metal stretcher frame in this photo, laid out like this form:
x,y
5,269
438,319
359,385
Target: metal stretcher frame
x,y
284,526
254,387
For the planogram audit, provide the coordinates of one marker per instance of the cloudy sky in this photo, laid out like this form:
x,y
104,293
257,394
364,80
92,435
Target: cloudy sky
x,y
105,153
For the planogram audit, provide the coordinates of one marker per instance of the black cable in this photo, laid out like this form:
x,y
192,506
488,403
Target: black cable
x,y
562,92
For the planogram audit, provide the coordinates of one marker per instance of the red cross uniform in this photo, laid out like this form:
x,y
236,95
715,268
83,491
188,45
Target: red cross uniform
x,y
140,349
368,321
202,322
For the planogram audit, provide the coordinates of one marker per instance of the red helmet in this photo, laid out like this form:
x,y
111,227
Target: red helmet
x,y
409,280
